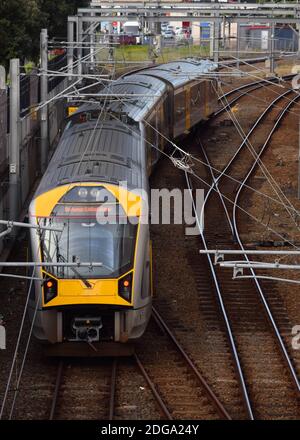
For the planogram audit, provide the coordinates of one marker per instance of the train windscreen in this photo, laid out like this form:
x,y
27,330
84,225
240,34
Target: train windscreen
x,y
91,233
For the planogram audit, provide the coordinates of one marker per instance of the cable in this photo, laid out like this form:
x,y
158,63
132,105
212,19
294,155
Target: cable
x,y
19,377
264,169
17,347
204,182
230,176
170,157
249,74
219,171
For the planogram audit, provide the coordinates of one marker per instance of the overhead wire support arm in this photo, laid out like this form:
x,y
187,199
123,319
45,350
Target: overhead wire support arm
x,y
6,232
11,224
265,277
258,265
219,255
48,264
44,98
248,252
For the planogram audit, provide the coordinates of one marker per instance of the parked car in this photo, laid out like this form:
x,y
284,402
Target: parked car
x,y
127,39
183,33
168,34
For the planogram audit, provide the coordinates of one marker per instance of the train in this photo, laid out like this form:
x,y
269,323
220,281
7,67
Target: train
x,y
92,289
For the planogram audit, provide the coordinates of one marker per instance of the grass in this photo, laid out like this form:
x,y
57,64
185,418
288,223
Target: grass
x,y
141,53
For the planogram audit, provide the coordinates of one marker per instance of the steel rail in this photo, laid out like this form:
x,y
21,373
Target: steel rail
x,y
214,275
237,235
216,282
208,390
112,390
255,85
56,390
245,140
237,362
244,86
155,393
58,386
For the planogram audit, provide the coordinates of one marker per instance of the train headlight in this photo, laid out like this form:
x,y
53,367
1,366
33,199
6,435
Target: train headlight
x,y
125,287
83,193
50,289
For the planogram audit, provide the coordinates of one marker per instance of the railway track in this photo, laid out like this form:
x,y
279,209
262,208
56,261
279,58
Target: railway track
x,y
84,390
190,333
177,385
185,301
89,391
267,376
227,335
244,90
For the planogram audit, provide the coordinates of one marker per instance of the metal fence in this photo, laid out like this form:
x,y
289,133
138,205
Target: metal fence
x,y
57,64
3,130
29,127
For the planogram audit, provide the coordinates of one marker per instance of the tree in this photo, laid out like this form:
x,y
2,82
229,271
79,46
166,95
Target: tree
x,y
19,22
22,20
55,15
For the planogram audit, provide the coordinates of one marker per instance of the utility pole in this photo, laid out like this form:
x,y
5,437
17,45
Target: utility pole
x,y
110,45
79,43
70,48
92,41
217,38
2,78
272,61
224,33
298,29
14,141
299,159
214,37
44,99
298,52
212,26
238,41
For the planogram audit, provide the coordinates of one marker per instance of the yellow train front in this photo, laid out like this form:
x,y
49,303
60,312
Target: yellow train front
x,y
94,283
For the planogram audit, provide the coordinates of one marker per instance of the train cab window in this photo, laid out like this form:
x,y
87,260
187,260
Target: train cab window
x,y
82,117
89,236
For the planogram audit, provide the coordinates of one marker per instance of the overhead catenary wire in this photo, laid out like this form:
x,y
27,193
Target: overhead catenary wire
x,y
204,182
17,349
26,352
19,337
283,82
18,381
264,169
236,234
197,158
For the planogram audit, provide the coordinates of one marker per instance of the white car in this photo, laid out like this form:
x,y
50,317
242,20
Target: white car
x,y
168,34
